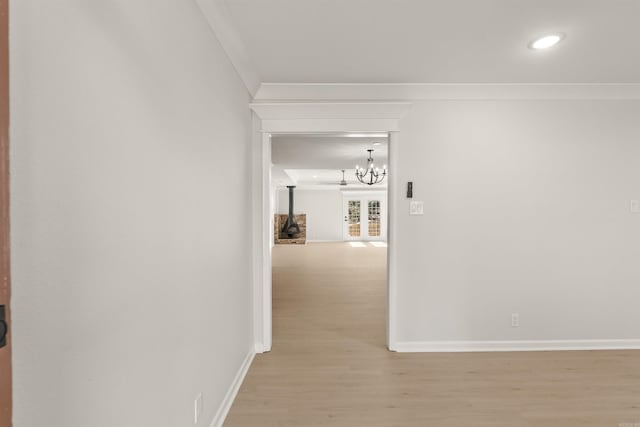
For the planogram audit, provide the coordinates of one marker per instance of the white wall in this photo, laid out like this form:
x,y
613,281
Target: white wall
x,y
130,128
526,211
323,209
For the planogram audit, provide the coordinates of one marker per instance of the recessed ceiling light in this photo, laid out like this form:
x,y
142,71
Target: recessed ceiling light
x,y
547,41
377,143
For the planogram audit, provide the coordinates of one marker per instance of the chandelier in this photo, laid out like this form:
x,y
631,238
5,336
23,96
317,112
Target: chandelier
x,y
371,174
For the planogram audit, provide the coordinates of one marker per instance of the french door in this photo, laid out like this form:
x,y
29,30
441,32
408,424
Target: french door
x,y
365,217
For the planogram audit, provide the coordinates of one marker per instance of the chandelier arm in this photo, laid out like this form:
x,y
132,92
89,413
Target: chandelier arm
x,y
370,175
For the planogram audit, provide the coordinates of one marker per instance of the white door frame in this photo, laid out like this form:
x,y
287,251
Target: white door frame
x,y
272,118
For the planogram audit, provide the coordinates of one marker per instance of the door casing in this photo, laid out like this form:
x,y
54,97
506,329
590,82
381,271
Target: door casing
x,y
5,266
316,117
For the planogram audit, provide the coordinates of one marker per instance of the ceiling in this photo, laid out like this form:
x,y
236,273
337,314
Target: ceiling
x,y
317,160
439,41
322,177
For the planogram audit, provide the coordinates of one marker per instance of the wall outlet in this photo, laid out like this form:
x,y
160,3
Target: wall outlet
x,y
635,206
515,320
197,407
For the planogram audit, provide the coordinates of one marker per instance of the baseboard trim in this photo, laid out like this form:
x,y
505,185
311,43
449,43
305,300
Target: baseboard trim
x,y
480,346
225,406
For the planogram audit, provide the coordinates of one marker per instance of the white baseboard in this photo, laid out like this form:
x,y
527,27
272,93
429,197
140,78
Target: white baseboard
x,y
225,406
323,241
548,345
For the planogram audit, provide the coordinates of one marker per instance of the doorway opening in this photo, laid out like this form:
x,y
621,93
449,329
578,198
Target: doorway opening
x,y
328,118
329,272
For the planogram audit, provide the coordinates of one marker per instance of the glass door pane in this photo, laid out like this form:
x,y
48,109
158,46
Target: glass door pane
x,y
373,216
353,218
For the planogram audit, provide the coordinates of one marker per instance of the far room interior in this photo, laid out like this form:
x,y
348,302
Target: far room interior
x,y
332,189
319,171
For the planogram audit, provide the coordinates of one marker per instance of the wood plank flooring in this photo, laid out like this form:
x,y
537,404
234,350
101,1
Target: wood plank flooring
x,y
329,365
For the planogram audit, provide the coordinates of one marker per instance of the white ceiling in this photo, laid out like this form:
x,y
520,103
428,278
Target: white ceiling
x,y
317,160
330,177
443,41
325,152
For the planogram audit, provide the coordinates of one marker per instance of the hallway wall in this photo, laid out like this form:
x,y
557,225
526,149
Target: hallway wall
x,y
527,210
131,287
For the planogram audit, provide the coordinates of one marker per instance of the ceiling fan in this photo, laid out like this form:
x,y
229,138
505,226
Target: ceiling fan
x,y
342,182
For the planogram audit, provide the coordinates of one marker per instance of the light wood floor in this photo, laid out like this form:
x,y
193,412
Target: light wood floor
x,y
329,365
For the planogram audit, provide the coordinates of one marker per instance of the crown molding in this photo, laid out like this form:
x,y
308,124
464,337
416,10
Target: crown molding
x,y
448,91
287,117
330,110
292,117
219,18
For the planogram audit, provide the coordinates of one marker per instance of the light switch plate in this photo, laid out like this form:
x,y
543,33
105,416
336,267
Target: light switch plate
x,y
635,206
416,208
